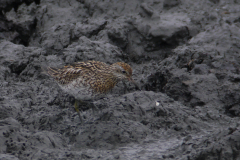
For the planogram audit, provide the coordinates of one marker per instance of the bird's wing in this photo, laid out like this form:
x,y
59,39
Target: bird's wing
x,y
71,72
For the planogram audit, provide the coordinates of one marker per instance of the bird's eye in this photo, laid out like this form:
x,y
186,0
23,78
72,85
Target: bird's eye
x,y
123,71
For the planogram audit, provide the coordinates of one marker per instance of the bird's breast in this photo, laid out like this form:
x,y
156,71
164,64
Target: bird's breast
x,y
87,89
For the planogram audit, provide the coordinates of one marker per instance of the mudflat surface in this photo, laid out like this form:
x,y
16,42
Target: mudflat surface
x,y
185,56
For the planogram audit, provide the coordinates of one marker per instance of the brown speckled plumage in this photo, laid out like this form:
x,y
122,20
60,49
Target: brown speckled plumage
x,y
89,80
96,77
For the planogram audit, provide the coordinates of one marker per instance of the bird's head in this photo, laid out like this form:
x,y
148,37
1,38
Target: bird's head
x,y
123,71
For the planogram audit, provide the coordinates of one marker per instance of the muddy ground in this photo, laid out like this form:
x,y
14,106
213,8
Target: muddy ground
x,y
185,56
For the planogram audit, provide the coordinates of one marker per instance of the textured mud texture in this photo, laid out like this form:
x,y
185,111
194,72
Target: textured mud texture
x,y
185,56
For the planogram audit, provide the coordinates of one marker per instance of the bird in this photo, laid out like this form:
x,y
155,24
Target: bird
x,y
90,80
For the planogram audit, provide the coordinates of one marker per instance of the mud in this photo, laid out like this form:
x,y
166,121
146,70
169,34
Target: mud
x,y
185,58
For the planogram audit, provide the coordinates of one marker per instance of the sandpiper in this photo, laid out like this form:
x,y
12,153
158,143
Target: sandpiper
x,y
90,80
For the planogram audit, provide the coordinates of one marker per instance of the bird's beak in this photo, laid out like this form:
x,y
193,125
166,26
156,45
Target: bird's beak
x,y
137,87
